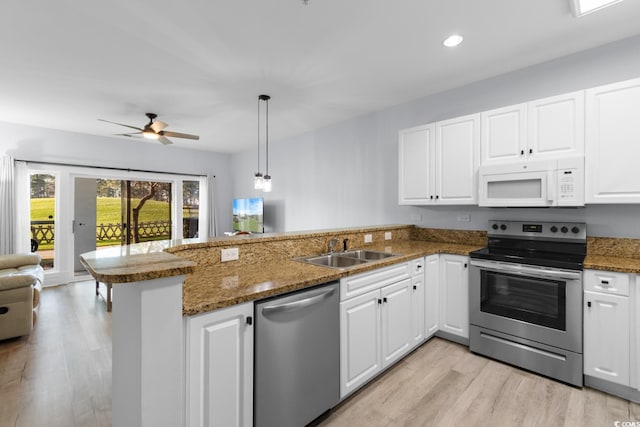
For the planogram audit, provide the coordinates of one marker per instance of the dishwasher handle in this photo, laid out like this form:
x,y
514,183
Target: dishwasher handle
x,y
297,305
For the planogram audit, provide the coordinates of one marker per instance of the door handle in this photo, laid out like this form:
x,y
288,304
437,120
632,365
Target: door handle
x,y
297,305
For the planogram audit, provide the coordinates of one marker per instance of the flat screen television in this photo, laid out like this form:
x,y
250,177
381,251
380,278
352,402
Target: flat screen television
x,y
248,215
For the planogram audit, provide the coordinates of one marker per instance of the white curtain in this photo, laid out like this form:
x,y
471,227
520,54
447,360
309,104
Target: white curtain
x,y
7,206
212,229
22,203
208,207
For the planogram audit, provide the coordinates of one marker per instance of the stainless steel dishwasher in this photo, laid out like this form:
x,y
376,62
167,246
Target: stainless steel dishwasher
x,y
297,357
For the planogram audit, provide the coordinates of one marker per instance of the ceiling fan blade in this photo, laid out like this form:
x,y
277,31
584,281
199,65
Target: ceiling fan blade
x,y
165,141
179,135
158,125
120,124
135,134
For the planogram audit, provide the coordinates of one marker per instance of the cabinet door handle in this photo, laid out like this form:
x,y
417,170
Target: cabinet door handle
x,y
465,265
431,197
379,301
530,150
249,320
437,197
522,152
384,299
415,287
588,303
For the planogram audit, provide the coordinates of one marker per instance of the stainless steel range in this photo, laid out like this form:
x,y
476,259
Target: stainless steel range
x,y
525,297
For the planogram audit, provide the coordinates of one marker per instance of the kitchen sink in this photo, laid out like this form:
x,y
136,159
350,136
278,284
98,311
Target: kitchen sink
x,y
333,260
343,260
367,255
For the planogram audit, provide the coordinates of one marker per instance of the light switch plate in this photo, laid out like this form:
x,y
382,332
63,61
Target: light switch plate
x,y
368,238
230,254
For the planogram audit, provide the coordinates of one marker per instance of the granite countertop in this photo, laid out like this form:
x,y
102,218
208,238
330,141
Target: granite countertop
x,y
134,263
612,263
219,286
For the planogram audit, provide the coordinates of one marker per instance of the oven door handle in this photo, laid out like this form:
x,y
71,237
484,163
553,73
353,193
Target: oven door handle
x,y
504,267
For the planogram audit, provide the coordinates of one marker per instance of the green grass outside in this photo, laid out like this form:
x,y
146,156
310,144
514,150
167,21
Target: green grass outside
x,y
108,212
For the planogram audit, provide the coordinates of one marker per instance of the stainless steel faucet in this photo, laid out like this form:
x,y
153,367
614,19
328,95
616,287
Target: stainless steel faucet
x,y
332,243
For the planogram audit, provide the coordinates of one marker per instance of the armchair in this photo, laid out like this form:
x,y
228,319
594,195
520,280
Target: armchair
x,y
21,278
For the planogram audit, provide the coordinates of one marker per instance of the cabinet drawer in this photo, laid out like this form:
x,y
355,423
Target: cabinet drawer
x,y
417,267
607,282
359,284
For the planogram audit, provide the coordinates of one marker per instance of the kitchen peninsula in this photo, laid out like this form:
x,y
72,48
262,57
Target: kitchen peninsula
x,y
155,284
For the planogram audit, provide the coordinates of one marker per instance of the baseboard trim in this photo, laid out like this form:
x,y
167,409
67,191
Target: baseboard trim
x,y
612,388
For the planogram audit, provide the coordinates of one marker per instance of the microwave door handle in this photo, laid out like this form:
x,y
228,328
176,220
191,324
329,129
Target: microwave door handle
x,y
551,186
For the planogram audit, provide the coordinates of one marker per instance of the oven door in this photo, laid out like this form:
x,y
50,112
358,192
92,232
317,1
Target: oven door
x,y
535,303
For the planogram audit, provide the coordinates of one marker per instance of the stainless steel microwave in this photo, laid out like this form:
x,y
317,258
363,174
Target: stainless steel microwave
x,y
540,183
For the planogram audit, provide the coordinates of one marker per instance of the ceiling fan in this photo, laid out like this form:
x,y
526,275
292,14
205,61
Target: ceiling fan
x,y
153,130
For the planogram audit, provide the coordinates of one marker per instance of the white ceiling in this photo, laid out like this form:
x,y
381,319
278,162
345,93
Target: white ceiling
x,y
200,64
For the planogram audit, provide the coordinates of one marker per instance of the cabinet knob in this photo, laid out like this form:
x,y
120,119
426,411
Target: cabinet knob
x,y
431,197
530,150
415,287
437,197
522,152
588,303
465,265
249,320
379,301
384,299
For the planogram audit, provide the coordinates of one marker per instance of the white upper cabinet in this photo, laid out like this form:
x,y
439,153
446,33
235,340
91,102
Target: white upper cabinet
x,y
542,129
504,134
416,148
438,162
556,126
457,159
613,143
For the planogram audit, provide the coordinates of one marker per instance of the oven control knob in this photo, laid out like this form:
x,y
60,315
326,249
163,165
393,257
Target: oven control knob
x,y
564,229
575,230
554,229
503,227
494,226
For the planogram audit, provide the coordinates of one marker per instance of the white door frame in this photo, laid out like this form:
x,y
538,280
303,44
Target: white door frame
x,y
63,271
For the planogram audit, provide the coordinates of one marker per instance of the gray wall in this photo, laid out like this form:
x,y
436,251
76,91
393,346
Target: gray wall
x,y
47,145
347,174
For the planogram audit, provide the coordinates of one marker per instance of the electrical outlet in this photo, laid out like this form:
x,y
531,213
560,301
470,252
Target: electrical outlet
x,y
387,235
368,238
230,254
464,218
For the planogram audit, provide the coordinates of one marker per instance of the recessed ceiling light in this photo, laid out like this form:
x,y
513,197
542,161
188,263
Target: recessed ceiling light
x,y
453,40
584,7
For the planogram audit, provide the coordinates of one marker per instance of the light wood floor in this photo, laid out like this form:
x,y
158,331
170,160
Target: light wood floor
x,y
61,376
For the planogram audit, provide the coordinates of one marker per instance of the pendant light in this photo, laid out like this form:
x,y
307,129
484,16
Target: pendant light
x,y
266,182
258,180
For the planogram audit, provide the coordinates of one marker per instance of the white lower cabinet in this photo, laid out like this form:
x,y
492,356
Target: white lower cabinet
x,y
607,326
397,324
432,295
219,367
359,341
454,295
417,302
376,328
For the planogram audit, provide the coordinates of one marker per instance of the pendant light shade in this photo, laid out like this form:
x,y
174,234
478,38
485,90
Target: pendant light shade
x,y
263,182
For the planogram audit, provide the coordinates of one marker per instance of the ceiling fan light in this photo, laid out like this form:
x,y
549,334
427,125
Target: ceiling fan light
x,y
150,135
